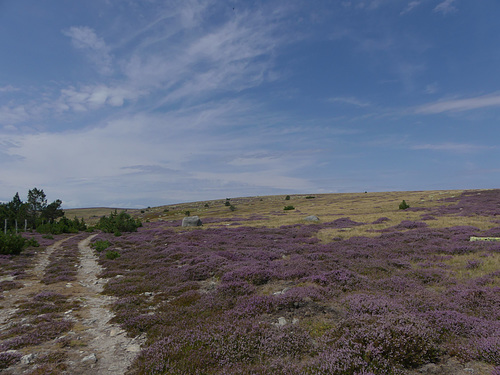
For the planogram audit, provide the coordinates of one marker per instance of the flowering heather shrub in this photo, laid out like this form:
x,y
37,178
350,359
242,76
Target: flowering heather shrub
x,y
61,266
7,359
473,264
43,328
454,323
9,285
343,222
408,224
426,217
347,359
275,300
400,339
487,349
44,303
381,220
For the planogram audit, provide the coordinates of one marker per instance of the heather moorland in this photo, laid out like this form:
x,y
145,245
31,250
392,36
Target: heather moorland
x,y
369,288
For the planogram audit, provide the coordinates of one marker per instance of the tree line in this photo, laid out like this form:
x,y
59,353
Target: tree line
x,y
32,213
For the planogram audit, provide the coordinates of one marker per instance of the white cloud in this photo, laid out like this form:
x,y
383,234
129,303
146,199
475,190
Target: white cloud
x,y
431,88
180,149
13,114
95,97
411,5
97,51
9,88
230,57
460,148
350,100
445,7
458,105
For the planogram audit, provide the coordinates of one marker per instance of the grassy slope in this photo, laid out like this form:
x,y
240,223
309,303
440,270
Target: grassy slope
x,y
360,207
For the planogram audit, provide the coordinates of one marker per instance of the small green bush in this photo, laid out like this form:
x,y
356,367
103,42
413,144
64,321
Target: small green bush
x,y
232,208
101,245
287,198
32,243
403,205
11,244
117,223
288,208
187,213
111,254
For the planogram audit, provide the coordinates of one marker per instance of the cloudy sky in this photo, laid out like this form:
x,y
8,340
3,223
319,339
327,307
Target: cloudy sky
x,y
136,103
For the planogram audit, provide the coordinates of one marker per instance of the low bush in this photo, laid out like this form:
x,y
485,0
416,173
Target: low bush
x,y
117,223
112,254
403,205
101,245
288,208
64,225
11,244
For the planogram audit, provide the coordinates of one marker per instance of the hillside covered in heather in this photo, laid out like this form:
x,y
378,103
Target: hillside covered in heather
x,y
369,288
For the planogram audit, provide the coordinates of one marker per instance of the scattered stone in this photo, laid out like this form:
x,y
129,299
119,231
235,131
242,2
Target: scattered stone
x,y
114,332
90,358
281,321
191,221
134,348
472,239
27,359
312,218
281,292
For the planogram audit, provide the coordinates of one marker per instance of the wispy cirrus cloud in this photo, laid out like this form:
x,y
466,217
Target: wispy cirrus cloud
x,y
235,55
445,7
9,88
410,7
86,39
461,148
459,105
349,100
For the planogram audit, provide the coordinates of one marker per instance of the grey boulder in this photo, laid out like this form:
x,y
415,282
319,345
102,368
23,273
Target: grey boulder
x,y
191,221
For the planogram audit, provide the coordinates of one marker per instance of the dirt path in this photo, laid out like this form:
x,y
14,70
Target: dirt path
x,y
93,346
108,343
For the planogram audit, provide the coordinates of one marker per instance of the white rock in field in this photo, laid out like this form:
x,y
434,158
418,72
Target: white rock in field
x,y
312,218
27,359
90,358
133,348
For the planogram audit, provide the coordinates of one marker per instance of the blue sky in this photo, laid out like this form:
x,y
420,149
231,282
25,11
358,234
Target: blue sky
x,y
130,103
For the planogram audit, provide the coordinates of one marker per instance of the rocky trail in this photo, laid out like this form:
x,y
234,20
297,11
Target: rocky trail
x,y
88,342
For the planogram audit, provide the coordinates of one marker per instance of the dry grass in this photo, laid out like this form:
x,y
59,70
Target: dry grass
x,y
90,215
461,265
268,211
